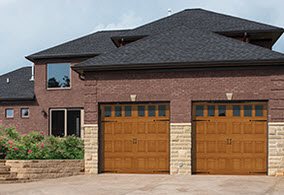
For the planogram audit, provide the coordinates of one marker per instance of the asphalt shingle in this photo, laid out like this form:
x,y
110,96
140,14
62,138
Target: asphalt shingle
x,y
19,87
182,45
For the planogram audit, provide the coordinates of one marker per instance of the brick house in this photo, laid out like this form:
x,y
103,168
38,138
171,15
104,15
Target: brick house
x,y
195,92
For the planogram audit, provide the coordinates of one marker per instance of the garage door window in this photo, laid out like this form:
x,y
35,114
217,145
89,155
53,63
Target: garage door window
x,y
211,110
199,110
259,110
128,111
151,111
107,111
222,110
118,111
162,110
236,110
247,110
141,110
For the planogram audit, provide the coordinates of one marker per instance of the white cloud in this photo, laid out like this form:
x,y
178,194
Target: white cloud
x,y
126,21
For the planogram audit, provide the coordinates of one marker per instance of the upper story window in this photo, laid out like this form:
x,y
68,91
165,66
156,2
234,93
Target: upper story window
x,y
58,75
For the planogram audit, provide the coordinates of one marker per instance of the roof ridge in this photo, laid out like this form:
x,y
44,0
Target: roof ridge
x,y
233,16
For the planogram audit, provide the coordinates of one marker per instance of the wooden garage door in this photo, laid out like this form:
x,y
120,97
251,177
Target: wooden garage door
x,y
135,138
230,138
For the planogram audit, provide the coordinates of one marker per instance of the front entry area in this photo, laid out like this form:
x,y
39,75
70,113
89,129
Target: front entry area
x,y
229,138
134,138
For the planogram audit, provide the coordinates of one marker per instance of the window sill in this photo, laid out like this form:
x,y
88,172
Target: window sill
x,y
58,89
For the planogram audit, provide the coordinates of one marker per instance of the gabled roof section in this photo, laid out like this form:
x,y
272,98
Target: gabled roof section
x,y
202,20
87,46
181,45
19,87
199,19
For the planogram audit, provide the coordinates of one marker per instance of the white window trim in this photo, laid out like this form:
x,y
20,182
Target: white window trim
x,y
58,88
65,119
22,113
9,117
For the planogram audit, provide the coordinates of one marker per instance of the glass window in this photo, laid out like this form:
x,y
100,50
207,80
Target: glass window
x,y
141,110
74,122
211,110
162,110
72,119
128,110
107,111
258,110
247,110
151,110
199,110
25,113
236,110
221,110
118,110
58,75
9,113
58,123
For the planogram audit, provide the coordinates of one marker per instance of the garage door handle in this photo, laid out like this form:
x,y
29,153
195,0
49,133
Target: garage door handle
x,y
162,120
134,141
229,141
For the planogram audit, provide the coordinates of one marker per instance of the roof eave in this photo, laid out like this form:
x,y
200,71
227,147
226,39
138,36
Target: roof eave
x,y
177,65
65,56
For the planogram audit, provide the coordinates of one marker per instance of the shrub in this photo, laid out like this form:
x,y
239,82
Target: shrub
x,y
36,145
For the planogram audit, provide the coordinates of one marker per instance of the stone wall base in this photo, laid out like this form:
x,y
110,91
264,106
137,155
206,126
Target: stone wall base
x,y
276,149
91,145
180,148
45,169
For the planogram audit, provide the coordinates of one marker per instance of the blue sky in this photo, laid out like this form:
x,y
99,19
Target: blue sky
x,y
28,26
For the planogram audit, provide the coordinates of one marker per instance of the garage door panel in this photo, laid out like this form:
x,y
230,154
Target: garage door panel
x,y
136,139
233,142
221,128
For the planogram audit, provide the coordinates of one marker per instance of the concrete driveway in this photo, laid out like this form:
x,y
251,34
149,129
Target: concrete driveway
x,y
150,184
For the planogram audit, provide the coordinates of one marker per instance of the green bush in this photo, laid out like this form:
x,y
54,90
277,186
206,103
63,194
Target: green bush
x,y
36,145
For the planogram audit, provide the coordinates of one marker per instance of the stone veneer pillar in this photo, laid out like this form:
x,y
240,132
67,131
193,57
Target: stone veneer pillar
x,y
180,148
276,148
91,144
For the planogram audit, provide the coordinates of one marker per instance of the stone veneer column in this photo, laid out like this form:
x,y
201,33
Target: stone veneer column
x,y
276,148
91,145
180,148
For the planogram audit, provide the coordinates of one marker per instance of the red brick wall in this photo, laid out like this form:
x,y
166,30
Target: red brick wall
x,y
45,99
23,125
183,87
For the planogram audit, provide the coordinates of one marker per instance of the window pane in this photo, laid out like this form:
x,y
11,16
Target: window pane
x,y
258,110
74,122
107,111
128,110
221,110
9,113
25,112
57,122
199,110
236,110
141,110
162,110
118,110
211,110
151,110
247,110
58,75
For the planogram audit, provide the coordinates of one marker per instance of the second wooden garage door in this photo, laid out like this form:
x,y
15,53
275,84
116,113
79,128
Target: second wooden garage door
x,y
230,138
135,138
